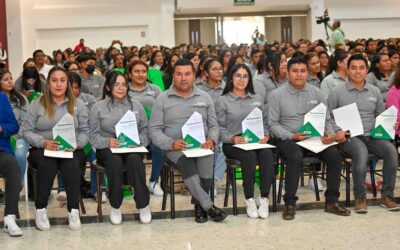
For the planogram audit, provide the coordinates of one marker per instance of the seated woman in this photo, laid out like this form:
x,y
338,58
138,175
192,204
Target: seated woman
x,y
237,101
29,84
19,104
104,115
9,167
146,93
37,129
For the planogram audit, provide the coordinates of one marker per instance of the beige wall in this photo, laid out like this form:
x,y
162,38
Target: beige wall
x,y
181,31
207,31
273,29
299,28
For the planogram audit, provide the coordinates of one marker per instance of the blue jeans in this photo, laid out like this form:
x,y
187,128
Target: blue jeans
x,y
20,154
220,164
358,148
156,159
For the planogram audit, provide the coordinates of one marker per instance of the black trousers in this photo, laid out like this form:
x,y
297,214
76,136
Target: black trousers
x,y
10,171
248,160
47,168
115,166
293,155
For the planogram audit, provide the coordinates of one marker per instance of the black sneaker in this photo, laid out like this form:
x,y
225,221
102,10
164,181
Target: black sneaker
x,y
289,213
217,214
200,214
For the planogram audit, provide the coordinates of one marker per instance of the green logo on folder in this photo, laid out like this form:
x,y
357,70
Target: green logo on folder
x,y
63,144
125,141
251,137
191,142
380,133
309,130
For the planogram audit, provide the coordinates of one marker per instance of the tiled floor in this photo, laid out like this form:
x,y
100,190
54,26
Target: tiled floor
x,y
238,232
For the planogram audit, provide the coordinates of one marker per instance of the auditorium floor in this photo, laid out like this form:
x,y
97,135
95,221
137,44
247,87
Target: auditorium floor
x,y
312,228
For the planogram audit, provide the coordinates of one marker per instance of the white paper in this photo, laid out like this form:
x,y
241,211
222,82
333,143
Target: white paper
x,y
128,126
140,149
253,146
58,154
348,118
317,117
388,119
314,144
197,152
65,128
195,128
254,123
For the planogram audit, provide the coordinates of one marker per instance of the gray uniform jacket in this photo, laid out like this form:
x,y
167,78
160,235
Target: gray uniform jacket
x,y
232,110
264,84
146,96
19,113
287,107
313,81
87,99
330,82
383,84
369,102
38,127
214,93
93,85
171,111
106,113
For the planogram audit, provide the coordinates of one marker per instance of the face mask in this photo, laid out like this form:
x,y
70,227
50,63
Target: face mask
x,y
90,69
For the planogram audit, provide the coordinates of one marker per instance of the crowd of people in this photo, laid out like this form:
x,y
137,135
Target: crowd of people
x,y
164,87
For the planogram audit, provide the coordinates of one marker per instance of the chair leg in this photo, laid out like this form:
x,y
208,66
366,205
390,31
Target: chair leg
x,y
372,173
82,205
228,177
280,183
234,193
274,206
99,195
314,176
347,170
164,187
172,193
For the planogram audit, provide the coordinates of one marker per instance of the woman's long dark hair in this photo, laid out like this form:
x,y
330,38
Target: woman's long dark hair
x,y
273,59
231,64
15,97
374,65
338,55
229,82
31,72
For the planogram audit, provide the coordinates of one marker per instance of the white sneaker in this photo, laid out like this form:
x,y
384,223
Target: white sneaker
x,y
321,187
11,227
41,220
155,189
115,216
263,209
62,196
251,208
74,220
104,197
145,215
215,188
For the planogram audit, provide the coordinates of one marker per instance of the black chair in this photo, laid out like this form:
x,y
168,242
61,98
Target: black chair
x,y
168,175
100,188
308,161
232,165
33,172
347,172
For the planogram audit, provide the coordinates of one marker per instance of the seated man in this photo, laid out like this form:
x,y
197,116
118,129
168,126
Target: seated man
x,y
286,109
170,112
370,104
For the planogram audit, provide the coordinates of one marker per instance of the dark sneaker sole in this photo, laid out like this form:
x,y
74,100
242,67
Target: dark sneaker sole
x,y
219,219
394,209
361,211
